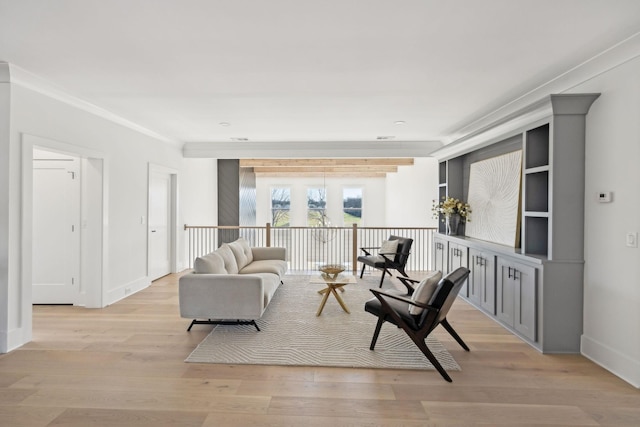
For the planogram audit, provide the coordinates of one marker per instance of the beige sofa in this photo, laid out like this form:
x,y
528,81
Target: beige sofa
x,y
232,285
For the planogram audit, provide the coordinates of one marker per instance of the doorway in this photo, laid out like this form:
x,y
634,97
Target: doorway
x,y
89,229
56,233
161,220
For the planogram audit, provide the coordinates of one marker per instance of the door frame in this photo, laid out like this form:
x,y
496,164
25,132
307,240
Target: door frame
x,y
96,239
173,214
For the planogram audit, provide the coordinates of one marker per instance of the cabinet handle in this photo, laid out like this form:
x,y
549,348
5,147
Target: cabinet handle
x,y
515,274
509,274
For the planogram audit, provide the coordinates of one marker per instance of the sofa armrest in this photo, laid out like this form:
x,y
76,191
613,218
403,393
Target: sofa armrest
x,y
221,296
264,253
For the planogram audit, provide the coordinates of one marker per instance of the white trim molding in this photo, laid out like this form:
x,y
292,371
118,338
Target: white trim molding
x,y
10,73
292,149
123,291
612,360
611,58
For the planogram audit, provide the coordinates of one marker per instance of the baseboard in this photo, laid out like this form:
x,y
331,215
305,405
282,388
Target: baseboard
x,y
15,338
127,289
612,360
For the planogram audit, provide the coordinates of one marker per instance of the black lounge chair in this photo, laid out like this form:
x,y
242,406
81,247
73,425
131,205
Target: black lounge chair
x,y
387,261
394,308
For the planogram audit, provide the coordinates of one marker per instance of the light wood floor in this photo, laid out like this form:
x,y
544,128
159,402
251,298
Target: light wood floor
x,y
123,366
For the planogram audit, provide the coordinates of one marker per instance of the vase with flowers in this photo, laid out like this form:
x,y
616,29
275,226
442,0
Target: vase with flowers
x,y
453,212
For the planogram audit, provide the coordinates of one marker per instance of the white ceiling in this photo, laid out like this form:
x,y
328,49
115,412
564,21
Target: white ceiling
x,y
298,70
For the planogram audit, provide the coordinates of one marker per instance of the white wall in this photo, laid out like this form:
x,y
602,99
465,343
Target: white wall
x,y
127,154
199,207
612,270
411,192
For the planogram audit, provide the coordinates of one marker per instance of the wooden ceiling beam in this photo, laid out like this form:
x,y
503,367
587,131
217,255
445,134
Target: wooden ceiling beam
x,y
327,170
326,162
321,174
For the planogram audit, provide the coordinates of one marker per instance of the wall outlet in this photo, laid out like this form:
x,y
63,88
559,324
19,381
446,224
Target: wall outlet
x,y
632,239
127,291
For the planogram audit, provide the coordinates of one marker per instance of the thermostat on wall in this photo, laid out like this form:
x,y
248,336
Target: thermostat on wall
x,y
604,196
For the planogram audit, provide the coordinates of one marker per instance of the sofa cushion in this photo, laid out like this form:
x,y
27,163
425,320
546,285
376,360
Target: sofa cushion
x,y
229,258
274,266
211,263
242,251
424,291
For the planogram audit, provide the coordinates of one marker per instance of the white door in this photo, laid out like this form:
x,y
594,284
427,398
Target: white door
x,y
56,237
159,224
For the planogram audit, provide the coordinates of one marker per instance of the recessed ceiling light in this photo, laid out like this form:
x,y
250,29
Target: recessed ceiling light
x,y
225,124
399,122
385,138
240,139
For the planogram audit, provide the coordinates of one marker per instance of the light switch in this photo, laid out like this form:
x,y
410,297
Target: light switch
x,y
604,196
632,240
143,220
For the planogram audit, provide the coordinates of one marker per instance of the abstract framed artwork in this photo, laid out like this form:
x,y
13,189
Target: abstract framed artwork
x,y
494,197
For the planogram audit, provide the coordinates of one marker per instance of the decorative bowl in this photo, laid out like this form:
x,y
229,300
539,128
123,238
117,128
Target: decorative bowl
x,y
332,270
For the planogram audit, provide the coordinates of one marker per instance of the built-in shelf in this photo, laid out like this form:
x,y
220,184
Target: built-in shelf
x,y
537,214
537,169
535,227
536,192
536,231
537,147
442,175
534,290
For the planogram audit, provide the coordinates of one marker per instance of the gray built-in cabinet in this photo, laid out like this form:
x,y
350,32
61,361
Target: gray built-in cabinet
x,y
534,290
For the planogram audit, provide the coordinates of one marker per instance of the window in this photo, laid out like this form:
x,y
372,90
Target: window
x,y
280,207
317,207
352,205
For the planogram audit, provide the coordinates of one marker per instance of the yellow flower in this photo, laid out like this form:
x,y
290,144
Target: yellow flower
x,y
450,206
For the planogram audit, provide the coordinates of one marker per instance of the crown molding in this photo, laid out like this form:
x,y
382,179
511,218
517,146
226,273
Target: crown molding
x,y
293,149
10,73
519,121
528,103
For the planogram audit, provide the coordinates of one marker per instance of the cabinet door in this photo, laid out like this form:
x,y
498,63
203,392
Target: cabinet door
x,y
440,252
458,257
517,297
526,294
482,280
506,292
476,275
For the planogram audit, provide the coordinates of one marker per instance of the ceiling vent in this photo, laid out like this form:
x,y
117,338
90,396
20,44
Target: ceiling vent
x,y
240,139
385,138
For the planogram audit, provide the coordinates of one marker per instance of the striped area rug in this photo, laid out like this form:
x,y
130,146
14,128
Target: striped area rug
x,y
291,334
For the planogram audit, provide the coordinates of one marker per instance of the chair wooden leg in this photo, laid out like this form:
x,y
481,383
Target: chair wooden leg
x,y
400,270
384,272
425,350
376,332
445,324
